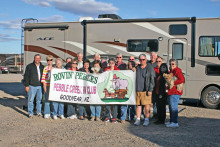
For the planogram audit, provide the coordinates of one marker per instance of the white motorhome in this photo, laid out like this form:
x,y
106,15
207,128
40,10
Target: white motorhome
x,y
194,42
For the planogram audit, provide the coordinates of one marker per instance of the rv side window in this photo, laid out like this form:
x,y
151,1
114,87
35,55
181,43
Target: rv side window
x,y
146,45
177,51
180,29
209,46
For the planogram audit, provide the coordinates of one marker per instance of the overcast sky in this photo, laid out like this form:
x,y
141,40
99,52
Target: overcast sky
x,y
13,11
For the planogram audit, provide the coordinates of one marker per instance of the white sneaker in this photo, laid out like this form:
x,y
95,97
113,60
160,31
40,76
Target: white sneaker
x,y
39,114
62,117
146,123
55,117
72,117
172,125
47,116
167,123
30,115
137,122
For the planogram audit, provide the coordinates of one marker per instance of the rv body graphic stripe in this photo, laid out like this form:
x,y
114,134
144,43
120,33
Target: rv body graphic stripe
x,y
90,50
114,43
157,30
66,51
37,49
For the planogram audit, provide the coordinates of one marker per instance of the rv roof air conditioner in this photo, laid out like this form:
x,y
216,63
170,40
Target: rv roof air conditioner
x,y
85,18
111,16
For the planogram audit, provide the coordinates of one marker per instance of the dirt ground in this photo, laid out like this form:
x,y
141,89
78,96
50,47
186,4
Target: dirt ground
x,y
198,126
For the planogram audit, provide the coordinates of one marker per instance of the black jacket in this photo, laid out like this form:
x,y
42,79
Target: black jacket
x,y
31,75
149,77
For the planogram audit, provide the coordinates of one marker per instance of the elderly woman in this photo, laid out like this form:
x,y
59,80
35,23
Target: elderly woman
x,y
71,108
82,108
58,105
96,109
108,107
46,84
131,108
173,94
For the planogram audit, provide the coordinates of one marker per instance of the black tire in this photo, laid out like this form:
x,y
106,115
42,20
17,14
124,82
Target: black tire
x,y
211,97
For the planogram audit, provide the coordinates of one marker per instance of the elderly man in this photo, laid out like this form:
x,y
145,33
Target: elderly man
x,y
80,60
68,63
33,86
153,59
145,75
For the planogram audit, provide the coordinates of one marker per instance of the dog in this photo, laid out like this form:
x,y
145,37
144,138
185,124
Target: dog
x,y
170,79
96,70
108,94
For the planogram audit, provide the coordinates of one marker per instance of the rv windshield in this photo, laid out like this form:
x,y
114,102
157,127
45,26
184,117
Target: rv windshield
x,y
146,45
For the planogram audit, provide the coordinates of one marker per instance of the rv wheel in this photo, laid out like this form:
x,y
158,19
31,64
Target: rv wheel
x,y
211,97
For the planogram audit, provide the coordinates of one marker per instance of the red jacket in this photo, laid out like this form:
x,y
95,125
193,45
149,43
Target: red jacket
x,y
157,70
177,72
115,68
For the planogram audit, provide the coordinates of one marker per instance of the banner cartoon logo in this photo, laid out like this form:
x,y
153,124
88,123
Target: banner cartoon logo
x,y
116,88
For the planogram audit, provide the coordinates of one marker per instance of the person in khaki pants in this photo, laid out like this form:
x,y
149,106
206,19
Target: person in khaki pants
x,y
145,76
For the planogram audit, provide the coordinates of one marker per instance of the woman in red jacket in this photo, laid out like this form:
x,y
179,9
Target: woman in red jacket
x,y
173,94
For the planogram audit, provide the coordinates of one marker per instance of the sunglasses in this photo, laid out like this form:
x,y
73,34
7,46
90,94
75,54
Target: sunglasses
x,y
158,61
74,63
111,62
142,59
131,59
172,64
50,60
118,57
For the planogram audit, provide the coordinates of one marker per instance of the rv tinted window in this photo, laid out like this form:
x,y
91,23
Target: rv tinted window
x,y
177,51
146,45
209,46
178,29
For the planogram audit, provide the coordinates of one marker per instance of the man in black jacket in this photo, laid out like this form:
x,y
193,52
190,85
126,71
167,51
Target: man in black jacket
x,y
33,86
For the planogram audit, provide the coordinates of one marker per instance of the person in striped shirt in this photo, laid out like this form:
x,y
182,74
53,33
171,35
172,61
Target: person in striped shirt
x,y
46,84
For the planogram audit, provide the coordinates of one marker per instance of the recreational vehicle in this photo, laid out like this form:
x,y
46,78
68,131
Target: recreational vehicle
x,y
194,42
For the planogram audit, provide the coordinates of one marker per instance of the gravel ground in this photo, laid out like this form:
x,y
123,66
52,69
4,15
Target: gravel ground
x,y
198,126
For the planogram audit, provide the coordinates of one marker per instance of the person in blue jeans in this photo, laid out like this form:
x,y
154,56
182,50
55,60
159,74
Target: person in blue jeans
x,y
96,109
124,108
174,94
71,108
58,106
83,108
33,85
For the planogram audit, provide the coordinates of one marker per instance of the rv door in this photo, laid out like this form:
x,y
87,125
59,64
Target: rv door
x,y
178,50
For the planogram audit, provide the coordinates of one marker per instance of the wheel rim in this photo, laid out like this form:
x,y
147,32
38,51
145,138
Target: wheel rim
x,y
213,97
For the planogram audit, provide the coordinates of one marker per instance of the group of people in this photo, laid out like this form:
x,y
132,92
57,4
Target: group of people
x,y
150,88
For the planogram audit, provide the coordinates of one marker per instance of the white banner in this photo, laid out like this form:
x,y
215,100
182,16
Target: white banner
x,y
110,87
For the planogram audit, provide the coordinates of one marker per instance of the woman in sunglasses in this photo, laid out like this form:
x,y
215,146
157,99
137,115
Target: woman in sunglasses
x,y
46,84
71,108
173,94
108,107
